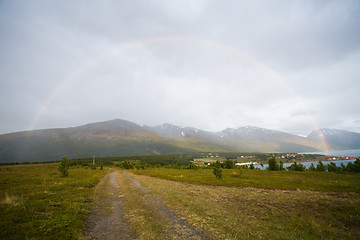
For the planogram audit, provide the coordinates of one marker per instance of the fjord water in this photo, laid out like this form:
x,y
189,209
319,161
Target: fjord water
x,y
307,164
340,153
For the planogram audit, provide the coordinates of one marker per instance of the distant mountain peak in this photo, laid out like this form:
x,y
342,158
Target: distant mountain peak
x,y
121,137
341,138
170,125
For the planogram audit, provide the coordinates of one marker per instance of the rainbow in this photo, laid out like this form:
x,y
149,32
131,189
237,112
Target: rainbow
x,y
88,63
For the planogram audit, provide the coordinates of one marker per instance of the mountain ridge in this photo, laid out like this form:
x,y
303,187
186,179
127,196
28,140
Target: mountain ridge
x,y
124,138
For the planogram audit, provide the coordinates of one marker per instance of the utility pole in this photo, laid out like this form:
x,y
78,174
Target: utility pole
x,y
93,166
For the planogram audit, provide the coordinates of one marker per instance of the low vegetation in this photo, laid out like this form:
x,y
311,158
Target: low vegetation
x,y
303,180
258,213
36,202
224,201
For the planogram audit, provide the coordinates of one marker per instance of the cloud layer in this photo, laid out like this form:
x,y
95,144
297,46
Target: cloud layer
x,y
285,65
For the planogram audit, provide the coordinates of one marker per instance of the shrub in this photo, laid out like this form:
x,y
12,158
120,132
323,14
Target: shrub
x,y
296,167
126,165
331,167
320,167
312,167
273,166
353,167
63,167
217,170
228,164
281,166
192,166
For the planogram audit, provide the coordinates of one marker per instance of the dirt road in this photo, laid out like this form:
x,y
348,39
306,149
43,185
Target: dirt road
x,y
110,219
107,220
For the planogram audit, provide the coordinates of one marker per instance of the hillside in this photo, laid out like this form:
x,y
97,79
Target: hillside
x,y
124,138
341,138
110,138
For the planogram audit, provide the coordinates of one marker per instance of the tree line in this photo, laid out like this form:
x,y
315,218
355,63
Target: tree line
x,y
320,167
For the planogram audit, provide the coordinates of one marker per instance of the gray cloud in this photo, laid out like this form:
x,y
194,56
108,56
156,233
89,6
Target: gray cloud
x,y
208,64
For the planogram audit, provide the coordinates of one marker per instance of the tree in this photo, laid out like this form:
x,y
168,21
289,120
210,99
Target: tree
x,y
273,166
228,164
217,170
127,165
320,167
281,166
63,167
332,167
192,166
296,167
353,167
312,167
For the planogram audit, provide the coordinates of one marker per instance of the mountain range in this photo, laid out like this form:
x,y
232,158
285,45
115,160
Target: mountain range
x,y
124,138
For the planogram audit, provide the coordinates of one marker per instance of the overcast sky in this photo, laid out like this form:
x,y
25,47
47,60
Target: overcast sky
x,y
285,65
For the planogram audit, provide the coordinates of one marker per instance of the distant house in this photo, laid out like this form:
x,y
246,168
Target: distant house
x,y
246,164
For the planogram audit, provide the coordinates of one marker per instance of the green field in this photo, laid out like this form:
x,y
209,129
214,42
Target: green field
x,y
259,213
292,180
37,203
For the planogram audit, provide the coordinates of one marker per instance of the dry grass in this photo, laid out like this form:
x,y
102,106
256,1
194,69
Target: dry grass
x,y
255,213
12,200
145,221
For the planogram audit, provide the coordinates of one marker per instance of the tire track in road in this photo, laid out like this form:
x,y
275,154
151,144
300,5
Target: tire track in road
x,y
106,220
178,227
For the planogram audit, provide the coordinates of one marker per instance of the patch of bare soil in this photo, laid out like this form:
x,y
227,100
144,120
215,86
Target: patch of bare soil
x,y
106,220
178,228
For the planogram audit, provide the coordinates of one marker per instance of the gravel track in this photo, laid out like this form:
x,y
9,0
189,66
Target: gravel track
x,y
178,228
106,221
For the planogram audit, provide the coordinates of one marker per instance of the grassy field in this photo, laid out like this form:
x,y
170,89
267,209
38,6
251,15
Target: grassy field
x,y
36,203
292,180
257,213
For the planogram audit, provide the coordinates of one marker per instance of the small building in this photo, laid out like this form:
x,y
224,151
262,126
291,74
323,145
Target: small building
x,y
246,164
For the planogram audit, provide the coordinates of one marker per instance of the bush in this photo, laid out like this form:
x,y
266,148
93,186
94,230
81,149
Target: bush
x,y
331,167
296,167
353,167
228,164
273,166
63,167
126,165
192,166
281,166
217,170
320,167
312,167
